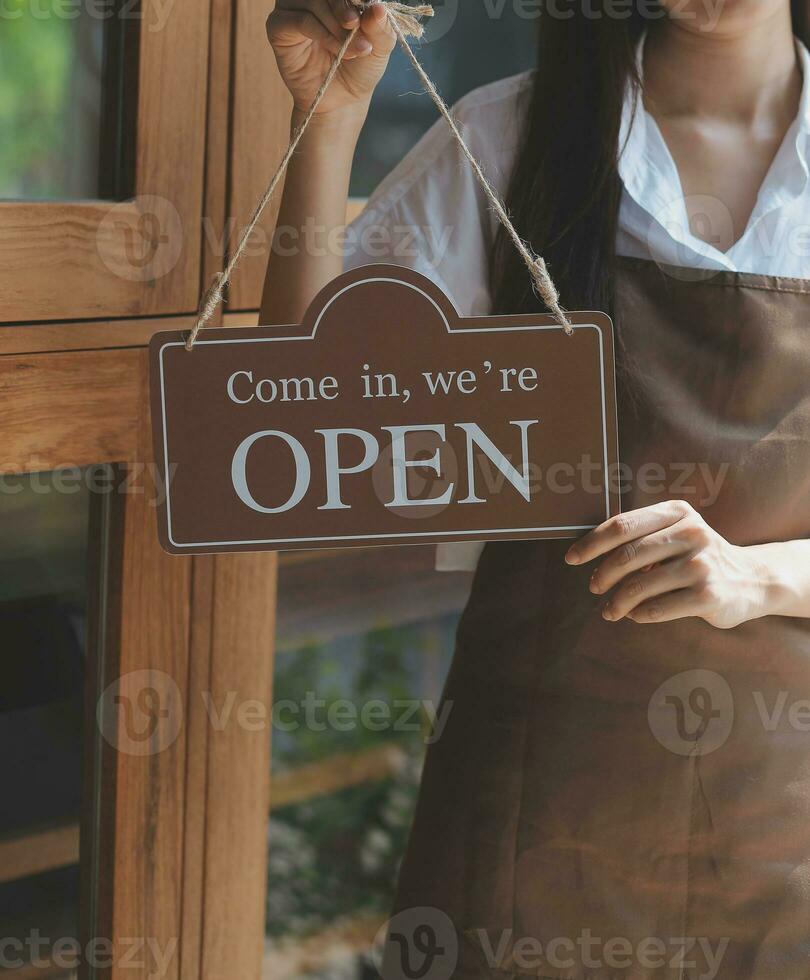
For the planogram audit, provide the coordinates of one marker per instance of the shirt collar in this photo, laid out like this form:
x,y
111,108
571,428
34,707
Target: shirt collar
x,y
646,167
790,167
650,176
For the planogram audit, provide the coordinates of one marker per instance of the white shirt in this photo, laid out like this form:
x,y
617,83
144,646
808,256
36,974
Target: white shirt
x,y
430,215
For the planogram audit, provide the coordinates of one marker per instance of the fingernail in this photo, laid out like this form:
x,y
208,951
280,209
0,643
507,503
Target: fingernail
x,y
596,588
607,612
362,46
573,557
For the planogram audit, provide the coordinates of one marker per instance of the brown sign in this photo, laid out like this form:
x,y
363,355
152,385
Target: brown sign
x,y
385,418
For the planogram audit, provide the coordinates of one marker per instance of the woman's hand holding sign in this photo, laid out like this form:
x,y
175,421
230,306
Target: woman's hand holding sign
x,y
665,562
306,34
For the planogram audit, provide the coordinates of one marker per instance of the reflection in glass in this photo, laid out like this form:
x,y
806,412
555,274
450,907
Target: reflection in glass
x,y
364,642
43,615
65,132
469,43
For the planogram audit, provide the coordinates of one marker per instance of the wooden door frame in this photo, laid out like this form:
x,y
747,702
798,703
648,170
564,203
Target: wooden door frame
x,y
178,837
182,831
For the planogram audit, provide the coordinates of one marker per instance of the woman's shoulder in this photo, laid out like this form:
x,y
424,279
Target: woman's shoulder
x,y
505,95
430,214
489,118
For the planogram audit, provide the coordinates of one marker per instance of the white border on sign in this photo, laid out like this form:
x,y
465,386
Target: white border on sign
x,y
405,534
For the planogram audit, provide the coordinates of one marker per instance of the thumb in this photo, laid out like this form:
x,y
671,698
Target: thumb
x,y
376,27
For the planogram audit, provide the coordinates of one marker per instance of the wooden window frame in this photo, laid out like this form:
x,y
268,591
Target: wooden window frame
x,y
180,838
177,835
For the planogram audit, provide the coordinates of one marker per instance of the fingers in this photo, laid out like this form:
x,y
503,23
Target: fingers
x,y
643,587
320,9
634,556
288,27
627,527
377,29
345,13
316,20
675,605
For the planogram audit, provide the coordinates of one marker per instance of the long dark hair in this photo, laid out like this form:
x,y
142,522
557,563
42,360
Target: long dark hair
x,y
565,190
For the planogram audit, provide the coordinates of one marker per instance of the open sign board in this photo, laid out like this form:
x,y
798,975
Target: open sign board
x,y
384,418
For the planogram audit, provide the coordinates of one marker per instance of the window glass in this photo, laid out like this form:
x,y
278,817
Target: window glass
x,y
364,643
65,132
43,621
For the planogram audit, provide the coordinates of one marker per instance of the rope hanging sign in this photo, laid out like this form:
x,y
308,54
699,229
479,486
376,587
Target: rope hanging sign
x,y
405,22
385,417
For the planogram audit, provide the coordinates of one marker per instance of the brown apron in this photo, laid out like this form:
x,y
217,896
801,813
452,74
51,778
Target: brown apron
x,y
612,800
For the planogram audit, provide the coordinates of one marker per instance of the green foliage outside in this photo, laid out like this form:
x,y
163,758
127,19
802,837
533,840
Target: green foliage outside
x,y
338,855
37,50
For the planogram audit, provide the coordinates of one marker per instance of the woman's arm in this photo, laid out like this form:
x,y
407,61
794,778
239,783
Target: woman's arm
x,y
316,192
665,563
305,36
